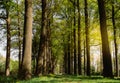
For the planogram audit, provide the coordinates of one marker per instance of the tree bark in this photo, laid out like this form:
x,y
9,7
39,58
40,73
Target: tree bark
x,y
26,65
84,58
87,38
65,60
7,67
74,35
42,55
49,45
107,63
68,47
79,40
71,51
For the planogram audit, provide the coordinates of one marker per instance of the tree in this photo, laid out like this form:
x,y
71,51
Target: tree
x,y
115,38
7,68
41,59
79,39
107,63
87,37
7,18
74,36
26,64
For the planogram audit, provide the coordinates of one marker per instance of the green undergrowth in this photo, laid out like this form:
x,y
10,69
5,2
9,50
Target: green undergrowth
x,y
9,79
61,79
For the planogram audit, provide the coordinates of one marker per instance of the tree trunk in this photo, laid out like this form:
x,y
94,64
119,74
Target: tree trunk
x,y
84,58
48,45
65,60
107,63
79,40
7,67
68,47
87,38
71,51
74,35
115,40
41,59
26,65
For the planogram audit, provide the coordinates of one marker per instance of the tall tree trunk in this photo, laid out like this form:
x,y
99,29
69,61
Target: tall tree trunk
x,y
87,38
115,40
48,46
74,35
71,51
107,63
68,48
7,66
65,60
54,62
41,60
79,39
26,65
84,57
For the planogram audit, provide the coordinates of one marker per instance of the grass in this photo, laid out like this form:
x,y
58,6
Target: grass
x,y
61,79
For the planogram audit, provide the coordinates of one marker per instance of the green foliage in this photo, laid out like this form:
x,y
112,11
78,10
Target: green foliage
x,y
4,79
14,67
2,64
8,4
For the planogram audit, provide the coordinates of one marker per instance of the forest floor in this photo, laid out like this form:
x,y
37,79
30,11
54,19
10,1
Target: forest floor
x,y
61,79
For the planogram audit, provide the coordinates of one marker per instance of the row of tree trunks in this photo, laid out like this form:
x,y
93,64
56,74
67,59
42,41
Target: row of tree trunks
x,y
44,59
42,45
73,63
